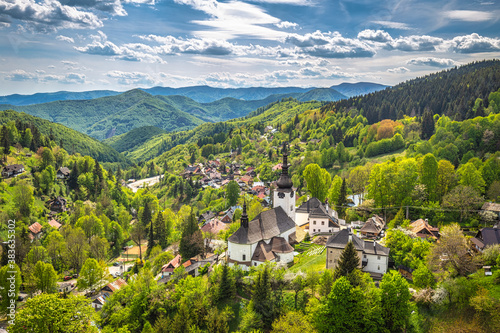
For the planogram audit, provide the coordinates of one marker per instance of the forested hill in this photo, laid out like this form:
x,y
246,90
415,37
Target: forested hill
x,y
451,92
72,141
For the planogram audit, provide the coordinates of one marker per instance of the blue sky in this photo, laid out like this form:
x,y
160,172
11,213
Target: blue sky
x,y
79,45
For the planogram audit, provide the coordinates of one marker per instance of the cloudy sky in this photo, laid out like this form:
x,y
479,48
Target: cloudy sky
x,y
77,45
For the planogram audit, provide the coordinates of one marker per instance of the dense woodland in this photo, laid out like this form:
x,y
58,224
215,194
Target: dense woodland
x,y
407,152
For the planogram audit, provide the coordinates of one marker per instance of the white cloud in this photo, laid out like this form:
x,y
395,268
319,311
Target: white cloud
x,y
132,78
375,35
288,2
475,43
73,78
65,39
286,25
21,75
415,43
41,77
113,7
49,15
392,25
398,70
431,61
470,15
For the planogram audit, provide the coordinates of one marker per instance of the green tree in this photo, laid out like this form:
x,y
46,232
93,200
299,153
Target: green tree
x,y
138,234
262,297
10,276
232,193
47,158
427,125
318,181
395,302
91,226
423,277
342,202
46,277
49,313
471,176
398,219
334,192
23,198
464,199
191,243
348,261
429,172
445,178
92,275
292,322
77,247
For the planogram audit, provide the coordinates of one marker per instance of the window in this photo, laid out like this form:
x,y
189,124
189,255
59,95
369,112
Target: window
x,y
291,208
322,222
378,268
364,256
314,222
244,257
378,257
314,230
331,251
255,264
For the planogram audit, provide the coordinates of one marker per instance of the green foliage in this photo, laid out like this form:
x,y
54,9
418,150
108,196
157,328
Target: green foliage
x,y
10,283
191,240
385,146
92,275
232,192
423,277
395,302
318,181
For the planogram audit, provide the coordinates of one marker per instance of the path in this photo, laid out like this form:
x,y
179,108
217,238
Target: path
x,y
143,182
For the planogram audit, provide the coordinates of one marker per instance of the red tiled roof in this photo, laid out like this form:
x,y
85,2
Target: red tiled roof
x,y
173,264
35,228
53,223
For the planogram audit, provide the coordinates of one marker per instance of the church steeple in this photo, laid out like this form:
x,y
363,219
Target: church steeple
x,y
284,182
244,216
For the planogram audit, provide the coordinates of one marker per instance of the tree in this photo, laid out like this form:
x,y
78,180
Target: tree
x,y
398,219
318,181
191,243
342,202
341,311
92,275
47,158
292,322
348,261
427,125
232,193
55,245
10,276
99,248
464,199
46,277
429,172
471,176
161,230
49,313
358,178
23,198
138,234
77,248
91,226
395,302
262,297
423,277
445,178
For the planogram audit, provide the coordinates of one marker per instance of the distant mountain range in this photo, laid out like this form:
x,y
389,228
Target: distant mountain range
x,y
105,117
201,94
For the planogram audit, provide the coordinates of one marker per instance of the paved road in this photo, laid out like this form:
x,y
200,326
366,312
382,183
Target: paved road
x,y
143,182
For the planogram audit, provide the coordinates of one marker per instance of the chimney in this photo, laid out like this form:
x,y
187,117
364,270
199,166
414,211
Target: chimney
x,y
326,204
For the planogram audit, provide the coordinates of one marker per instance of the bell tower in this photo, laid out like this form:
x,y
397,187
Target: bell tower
x,y
284,195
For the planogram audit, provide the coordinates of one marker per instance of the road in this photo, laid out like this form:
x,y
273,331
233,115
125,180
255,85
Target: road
x,y
143,182
118,269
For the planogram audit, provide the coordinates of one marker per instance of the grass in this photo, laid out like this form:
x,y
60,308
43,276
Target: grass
x,y
312,259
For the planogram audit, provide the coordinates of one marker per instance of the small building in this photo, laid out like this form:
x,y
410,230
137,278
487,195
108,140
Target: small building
x,y
169,268
99,301
373,257
35,231
424,230
58,204
228,216
406,272
492,207
373,227
12,170
54,224
214,226
63,173
486,237
114,286
316,217
207,216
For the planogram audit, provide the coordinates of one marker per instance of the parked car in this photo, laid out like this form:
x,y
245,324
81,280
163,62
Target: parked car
x,y
116,263
67,277
75,276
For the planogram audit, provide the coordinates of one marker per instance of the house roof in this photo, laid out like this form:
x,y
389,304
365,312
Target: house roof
x,y
489,236
374,224
64,170
309,205
174,263
341,238
491,206
263,252
53,223
35,228
214,226
266,225
13,167
116,285
423,229
280,245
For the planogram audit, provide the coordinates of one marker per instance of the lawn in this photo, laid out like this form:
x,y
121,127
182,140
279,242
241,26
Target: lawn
x,y
312,259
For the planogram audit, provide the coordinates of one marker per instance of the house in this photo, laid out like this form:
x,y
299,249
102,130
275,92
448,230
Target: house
x,y
277,167
168,269
316,217
114,286
64,287
214,226
486,237
35,231
406,272
58,204
373,257
54,224
99,301
207,216
423,230
12,170
63,173
268,236
228,216
492,207
373,227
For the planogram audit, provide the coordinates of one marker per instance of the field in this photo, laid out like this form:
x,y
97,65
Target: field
x,y
313,258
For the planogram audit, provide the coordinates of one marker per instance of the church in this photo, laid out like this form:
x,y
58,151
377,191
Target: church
x,y
269,235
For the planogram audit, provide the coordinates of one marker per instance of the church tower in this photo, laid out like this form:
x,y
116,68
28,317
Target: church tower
x,y
284,195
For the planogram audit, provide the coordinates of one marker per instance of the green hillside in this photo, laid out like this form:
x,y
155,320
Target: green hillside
x,y
133,138
73,141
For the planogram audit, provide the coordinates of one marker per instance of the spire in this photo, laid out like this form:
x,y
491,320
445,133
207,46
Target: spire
x,y
284,182
244,216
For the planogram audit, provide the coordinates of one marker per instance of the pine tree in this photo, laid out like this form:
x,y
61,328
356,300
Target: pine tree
x,y
73,177
262,297
342,198
147,219
427,129
348,261
161,232
191,242
226,284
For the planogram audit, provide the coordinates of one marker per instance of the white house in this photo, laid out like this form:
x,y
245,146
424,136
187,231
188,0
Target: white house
x,y
268,236
316,217
373,257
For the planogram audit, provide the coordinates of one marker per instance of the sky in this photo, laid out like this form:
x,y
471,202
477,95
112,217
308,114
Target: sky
x,y
81,45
